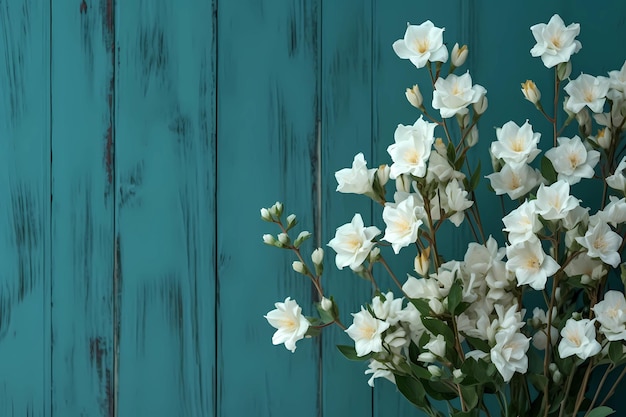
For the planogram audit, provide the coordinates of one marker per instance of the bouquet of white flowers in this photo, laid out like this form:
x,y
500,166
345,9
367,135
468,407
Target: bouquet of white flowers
x,y
458,331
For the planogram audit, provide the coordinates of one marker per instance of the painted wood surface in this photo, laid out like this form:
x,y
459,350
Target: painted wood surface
x,y
139,139
25,208
83,204
165,222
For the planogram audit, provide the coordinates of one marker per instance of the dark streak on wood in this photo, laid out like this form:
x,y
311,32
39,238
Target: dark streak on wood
x,y
109,25
83,7
26,230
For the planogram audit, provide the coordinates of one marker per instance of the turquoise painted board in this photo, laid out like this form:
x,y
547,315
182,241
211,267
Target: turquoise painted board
x,y
82,209
24,208
268,133
165,223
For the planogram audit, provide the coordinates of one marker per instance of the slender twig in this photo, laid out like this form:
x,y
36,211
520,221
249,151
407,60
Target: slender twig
x,y
614,387
600,385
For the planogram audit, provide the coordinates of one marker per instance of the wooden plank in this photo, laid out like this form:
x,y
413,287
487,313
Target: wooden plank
x,y
166,169
25,208
346,98
268,132
82,209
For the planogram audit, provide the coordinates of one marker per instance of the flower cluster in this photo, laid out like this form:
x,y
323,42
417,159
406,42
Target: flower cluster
x,y
462,329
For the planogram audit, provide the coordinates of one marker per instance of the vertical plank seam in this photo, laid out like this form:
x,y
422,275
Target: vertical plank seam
x,y
216,392
319,346
47,293
112,398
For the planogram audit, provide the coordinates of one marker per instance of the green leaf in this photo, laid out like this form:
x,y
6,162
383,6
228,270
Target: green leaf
x,y
455,296
421,305
538,381
412,389
451,153
477,343
420,372
350,353
601,412
547,170
616,351
438,327
470,396
475,178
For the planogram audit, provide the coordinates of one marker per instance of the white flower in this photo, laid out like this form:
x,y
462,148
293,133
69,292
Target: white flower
x,y
522,223
509,353
437,346
603,138
412,148
421,44
611,313
530,264
427,289
587,90
353,243
614,213
440,169
403,221
453,94
572,161
386,307
579,338
291,325
358,179
617,181
378,370
540,321
554,202
456,201
366,331
514,180
589,269
601,242
555,42
516,145
617,80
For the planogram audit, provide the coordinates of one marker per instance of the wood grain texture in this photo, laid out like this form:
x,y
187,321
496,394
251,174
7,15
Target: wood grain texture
x,y
267,150
165,171
347,106
24,208
82,209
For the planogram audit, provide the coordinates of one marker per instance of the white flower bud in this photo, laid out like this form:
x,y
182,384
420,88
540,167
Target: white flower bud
x,y
458,55
569,112
472,137
552,367
481,105
457,374
422,262
326,304
403,184
298,267
277,209
317,256
603,138
283,238
374,254
440,147
265,215
304,235
584,122
269,239
531,92
383,174
426,357
563,70
414,96
291,219
434,370
557,377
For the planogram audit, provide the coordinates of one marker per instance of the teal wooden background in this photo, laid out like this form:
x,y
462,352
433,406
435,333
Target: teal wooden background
x,y
138,140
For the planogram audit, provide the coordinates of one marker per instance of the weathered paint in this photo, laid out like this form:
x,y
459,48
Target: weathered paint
x,y
165,175
82,210
268,109
24,208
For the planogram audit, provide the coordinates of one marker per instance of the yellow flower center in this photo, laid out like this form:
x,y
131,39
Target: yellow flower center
x,y
575,339
517,145
556,41
515,182
533,263
574,160
600,243
412,156
588,96
288,324
422,45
